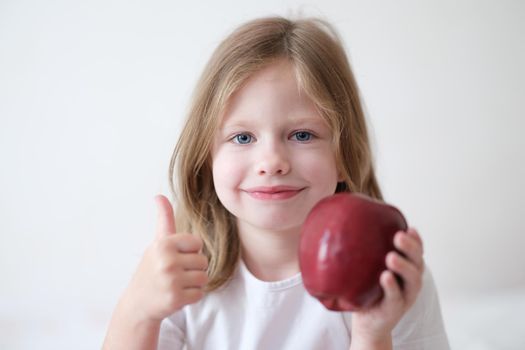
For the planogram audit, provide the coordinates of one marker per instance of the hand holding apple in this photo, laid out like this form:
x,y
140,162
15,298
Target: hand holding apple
x,y
346,239
344,242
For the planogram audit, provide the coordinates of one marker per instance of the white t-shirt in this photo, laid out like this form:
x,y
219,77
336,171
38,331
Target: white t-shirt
x,y
250,314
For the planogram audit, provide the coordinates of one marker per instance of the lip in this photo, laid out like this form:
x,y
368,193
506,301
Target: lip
x,y
273,192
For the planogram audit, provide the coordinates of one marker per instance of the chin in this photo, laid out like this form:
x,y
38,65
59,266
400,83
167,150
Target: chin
x,y
280,222
279,227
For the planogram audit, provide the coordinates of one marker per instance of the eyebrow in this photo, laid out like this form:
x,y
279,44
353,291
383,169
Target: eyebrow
x,y
314,120
300,120
234,125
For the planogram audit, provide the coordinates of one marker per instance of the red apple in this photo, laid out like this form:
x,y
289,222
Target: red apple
x,y
344,242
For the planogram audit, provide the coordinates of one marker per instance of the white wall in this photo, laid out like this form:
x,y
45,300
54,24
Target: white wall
x,y
92,95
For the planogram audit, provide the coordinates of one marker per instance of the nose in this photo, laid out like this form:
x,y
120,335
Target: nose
x,y
273,161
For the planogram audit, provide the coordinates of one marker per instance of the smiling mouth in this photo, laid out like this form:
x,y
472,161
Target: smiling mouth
x,y
273,193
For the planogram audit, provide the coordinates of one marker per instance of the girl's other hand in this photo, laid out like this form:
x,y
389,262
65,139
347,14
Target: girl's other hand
x,y
375,325
172,272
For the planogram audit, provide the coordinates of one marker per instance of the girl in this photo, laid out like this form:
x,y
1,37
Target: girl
x,y
275,125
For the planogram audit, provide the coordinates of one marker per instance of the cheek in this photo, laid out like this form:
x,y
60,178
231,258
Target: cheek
x,y
226,170
320,167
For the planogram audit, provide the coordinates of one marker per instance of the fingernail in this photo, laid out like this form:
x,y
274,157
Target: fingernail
x,y
390,257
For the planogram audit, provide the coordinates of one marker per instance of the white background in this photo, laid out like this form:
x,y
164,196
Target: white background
x,y
92,98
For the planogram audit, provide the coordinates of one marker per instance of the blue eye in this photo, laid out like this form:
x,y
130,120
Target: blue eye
x,y
242,139
302,136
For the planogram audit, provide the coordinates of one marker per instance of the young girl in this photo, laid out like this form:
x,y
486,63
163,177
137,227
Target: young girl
x,y
275,125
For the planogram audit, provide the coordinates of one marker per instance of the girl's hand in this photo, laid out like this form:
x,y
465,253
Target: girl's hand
x,y
171,274
374,325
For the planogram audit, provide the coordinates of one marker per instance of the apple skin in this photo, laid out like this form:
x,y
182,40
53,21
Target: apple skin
x,y
343,246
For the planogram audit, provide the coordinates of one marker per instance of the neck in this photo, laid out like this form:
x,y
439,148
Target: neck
x,y
270,255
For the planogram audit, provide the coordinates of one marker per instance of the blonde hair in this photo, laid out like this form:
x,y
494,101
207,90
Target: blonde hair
x,y
323,73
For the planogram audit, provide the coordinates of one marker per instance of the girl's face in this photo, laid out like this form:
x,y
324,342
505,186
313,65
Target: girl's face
x,y
272,153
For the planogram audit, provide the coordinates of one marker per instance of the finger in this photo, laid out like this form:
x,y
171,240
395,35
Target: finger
x,y
188,279
412,232
192,295
193,261
165,217
187,243
410,247
390,286
195,279
410,274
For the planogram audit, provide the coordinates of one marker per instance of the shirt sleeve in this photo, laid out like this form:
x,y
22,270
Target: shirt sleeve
x,y
172,332
422,325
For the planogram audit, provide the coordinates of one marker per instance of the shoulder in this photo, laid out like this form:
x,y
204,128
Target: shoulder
x,y
422,326
172,331
180,327
245,311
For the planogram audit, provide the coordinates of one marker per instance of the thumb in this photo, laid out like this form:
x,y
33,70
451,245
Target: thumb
x,y
165,217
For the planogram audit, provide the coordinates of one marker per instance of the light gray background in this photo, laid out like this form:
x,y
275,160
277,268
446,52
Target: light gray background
x,y
92,98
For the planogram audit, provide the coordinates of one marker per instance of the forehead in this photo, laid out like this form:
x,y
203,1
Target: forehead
x,y
272,91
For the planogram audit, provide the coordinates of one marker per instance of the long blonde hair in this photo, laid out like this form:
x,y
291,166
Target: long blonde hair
x,y
322,71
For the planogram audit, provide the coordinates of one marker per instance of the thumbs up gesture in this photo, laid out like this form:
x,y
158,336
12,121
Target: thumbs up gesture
x,y
172,272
